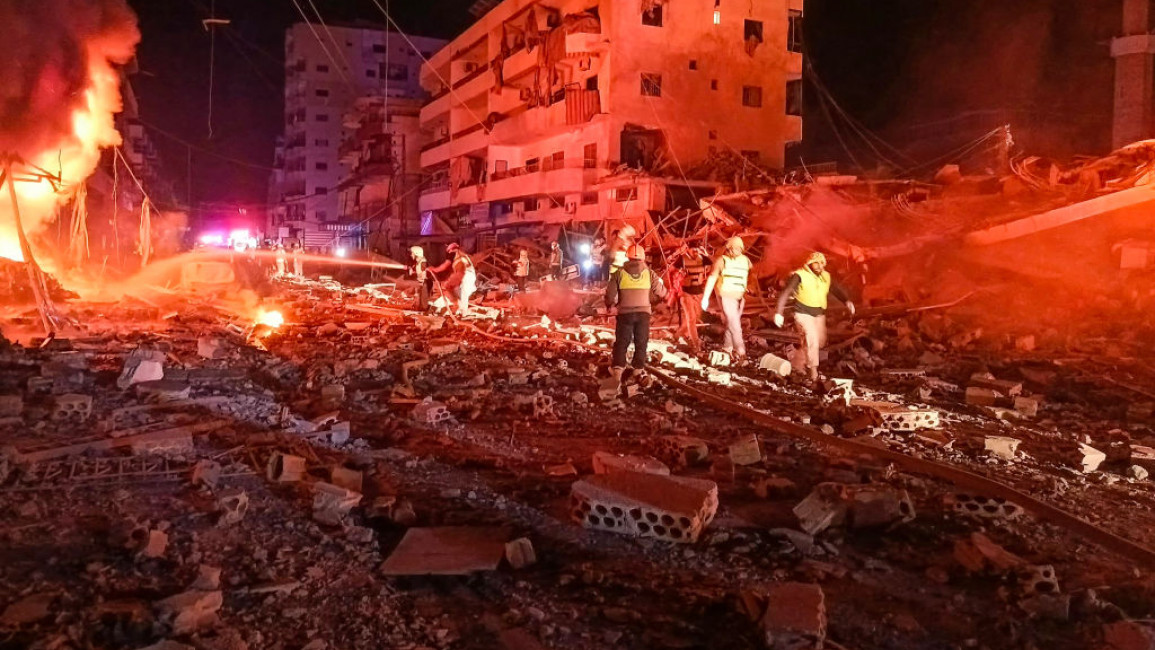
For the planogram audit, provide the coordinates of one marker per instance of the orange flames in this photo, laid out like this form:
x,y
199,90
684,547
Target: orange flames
x,y
271,318
75,153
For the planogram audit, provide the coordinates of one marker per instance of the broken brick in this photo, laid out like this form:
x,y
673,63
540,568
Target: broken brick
x,y
284,468
746,451
825,506
978,553
795,616
607,463
189,611
670,508
519,553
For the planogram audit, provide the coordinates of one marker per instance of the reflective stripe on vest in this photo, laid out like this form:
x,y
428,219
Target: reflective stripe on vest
x,y
735,273
627,281
813,290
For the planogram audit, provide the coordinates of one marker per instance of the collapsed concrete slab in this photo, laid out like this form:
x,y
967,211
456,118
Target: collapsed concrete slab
x,y
670,508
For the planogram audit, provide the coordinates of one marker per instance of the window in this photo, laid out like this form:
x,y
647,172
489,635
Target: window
x,y
321,166
321,92
713,84
589,198
322,117
753,30
321,142
794,33
651,84
322,68
378,48
592,83
794,97
693,64
590,156
717,17
652,16
395,72
321,191
623,194
532,165
752,96
713,135
371,73
557,160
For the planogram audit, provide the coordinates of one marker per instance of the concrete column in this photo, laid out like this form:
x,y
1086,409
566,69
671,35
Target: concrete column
x,y
1134,54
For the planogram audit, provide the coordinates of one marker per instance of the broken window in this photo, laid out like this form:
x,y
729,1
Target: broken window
x,y
752,96
794,97
395,72
752,35
651,84
652,16
623,194
794,33
590,156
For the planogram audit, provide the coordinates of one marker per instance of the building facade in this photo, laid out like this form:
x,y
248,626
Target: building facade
x,y
581,110
328,68
1134,54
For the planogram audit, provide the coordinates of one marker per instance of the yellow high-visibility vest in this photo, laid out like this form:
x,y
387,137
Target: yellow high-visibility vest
x,y
814,289
735,275
627,281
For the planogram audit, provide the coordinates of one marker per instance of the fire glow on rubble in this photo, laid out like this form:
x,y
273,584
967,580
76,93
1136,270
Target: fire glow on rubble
x,y
271,318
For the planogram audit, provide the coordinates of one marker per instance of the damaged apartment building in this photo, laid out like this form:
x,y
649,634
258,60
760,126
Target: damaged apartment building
x,y
560,111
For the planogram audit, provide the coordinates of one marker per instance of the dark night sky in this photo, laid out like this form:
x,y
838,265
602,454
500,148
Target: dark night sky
x,y
928,75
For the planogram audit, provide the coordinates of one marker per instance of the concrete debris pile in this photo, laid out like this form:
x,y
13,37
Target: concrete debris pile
x,y
208,483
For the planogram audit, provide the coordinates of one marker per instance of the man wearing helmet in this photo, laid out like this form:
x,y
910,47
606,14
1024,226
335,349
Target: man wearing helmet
x,y
730,275
810,287
623,239
420,272
463,279
629,290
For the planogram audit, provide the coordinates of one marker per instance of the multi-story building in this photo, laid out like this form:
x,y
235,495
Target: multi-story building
x,y
576,110
380,154
327,68
1134,53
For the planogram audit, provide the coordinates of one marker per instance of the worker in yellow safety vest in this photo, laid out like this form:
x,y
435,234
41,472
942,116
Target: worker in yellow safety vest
x,y
730,276
628,291
810,287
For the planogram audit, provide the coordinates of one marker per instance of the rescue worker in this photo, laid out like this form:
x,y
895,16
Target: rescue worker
x,y
555,261
463,279
730,277
298,263
280,259
597,258
521,270
420,272
628,291
810,287
623,240
694,263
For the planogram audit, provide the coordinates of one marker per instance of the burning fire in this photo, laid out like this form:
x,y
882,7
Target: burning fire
x,y
57,106
271,318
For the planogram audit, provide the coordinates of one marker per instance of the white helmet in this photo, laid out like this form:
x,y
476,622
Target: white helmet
x,y
417,251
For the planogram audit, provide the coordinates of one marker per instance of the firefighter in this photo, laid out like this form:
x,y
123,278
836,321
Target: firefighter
x,y
521,269
730,277
694,263
809,287
555,260
298,263
623,239
420,272
628,291
463,279
280,259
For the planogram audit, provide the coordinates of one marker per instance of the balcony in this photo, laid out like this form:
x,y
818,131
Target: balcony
x,y
466,141
433,200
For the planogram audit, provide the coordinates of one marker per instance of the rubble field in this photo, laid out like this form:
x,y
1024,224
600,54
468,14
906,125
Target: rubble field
x,y
364,476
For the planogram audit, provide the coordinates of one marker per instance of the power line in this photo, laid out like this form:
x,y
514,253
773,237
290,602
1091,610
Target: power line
x,y
324,48
209,152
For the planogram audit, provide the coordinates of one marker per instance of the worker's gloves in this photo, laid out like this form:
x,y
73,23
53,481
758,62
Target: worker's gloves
x,y
705,303
779,320
850,308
